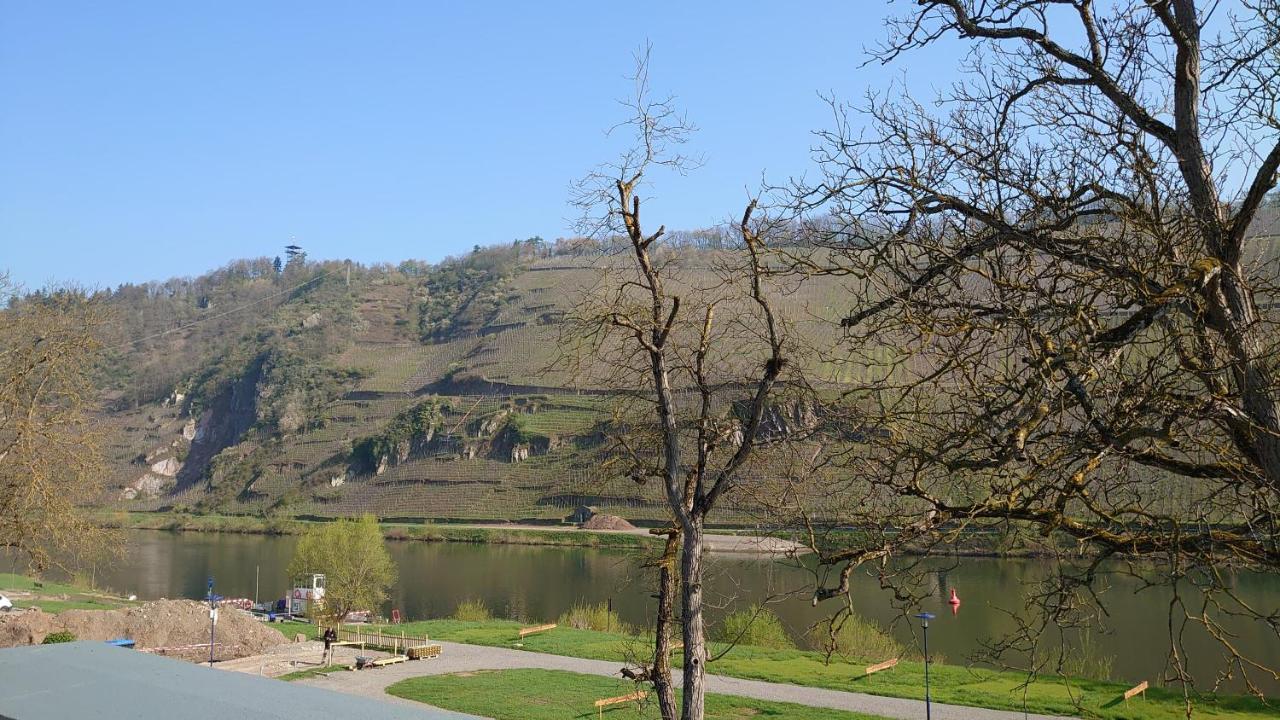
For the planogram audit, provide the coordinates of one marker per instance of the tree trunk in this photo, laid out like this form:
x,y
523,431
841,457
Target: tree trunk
x,y
695,648
662,684
1253,376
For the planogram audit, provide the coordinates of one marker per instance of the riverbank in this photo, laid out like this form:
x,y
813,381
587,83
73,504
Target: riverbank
x,y
506,534
950,684
476,533
55,597
980,544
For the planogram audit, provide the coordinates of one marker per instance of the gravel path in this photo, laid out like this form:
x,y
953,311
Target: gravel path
x,y
463,658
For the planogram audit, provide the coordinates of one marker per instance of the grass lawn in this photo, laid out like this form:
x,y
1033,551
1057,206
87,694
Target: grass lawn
x,y
54,597
951,684
557,695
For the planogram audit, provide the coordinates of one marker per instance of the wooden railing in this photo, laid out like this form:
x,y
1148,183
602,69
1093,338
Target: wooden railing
x,y
397,643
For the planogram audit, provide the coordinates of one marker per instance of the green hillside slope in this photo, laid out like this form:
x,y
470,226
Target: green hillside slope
x,y
414,391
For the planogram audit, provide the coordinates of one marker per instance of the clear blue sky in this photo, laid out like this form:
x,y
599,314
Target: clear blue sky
x,y
144,140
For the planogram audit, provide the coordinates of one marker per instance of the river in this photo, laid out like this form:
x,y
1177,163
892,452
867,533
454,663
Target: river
x,y
539,583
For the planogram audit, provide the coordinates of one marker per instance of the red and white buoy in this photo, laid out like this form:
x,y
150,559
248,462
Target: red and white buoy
x,y
954,602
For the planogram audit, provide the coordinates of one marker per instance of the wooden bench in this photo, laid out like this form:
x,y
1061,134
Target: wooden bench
x,y
604,702
527,631
871,669
1139,689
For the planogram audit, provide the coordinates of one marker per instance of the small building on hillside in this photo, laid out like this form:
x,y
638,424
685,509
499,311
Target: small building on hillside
x,y
88,680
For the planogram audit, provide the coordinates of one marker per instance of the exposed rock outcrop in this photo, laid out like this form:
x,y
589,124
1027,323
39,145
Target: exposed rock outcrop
x,y
781,419
147,486
168,467
222,422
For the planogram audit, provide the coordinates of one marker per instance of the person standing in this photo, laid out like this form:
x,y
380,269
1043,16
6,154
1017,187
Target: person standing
x,y
330,637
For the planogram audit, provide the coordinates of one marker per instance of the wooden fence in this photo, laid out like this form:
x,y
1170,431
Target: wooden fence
x,y
396,643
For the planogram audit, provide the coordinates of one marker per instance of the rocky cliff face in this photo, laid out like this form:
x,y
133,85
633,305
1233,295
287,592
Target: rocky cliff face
x,y
222,422
784,418
498,436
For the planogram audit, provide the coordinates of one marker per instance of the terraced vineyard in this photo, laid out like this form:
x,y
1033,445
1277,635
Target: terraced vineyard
x,y
514,430
303,406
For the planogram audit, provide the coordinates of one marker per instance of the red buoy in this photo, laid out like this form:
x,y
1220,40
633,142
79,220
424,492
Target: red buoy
x,y
954,602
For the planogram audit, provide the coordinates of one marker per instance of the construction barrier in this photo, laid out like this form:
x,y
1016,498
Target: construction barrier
x,y
187,648
601,704
882,666
527,631
1139,689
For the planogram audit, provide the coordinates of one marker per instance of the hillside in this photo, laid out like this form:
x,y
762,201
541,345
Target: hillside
x,y
413,391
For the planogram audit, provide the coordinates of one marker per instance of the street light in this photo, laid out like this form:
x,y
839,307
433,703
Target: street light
x,y
925,617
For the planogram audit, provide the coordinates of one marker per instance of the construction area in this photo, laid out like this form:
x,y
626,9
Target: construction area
x,y
356,648
177,628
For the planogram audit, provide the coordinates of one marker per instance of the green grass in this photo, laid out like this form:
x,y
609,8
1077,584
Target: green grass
x,y
55,597
556,695
11,581
292,627
952,684
57,606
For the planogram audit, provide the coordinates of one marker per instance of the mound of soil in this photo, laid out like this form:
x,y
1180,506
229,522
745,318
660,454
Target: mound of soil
x,y
607,522
175,624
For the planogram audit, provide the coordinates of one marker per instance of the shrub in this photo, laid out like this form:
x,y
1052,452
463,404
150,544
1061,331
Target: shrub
x,y
755,625
472,611
1086,660
857,638
593,617
60,636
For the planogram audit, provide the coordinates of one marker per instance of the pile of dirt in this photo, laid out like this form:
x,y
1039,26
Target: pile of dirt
x,y
607,522
24,627
174,625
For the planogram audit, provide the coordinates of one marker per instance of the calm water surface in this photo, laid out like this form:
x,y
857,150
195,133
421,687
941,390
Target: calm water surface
x,y
539,583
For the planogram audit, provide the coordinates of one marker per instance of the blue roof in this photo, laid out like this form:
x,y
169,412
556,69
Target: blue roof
x,y
86,680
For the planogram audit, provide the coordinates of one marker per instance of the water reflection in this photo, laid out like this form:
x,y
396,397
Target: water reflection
x,y
539,583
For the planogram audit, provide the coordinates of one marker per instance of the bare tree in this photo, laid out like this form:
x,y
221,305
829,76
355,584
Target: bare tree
x,y
700,348
49,458
1064,299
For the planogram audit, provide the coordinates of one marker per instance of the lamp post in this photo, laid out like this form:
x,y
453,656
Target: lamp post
x,y
924,623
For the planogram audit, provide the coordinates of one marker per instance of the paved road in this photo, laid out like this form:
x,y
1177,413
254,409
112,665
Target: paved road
x,y
463,658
